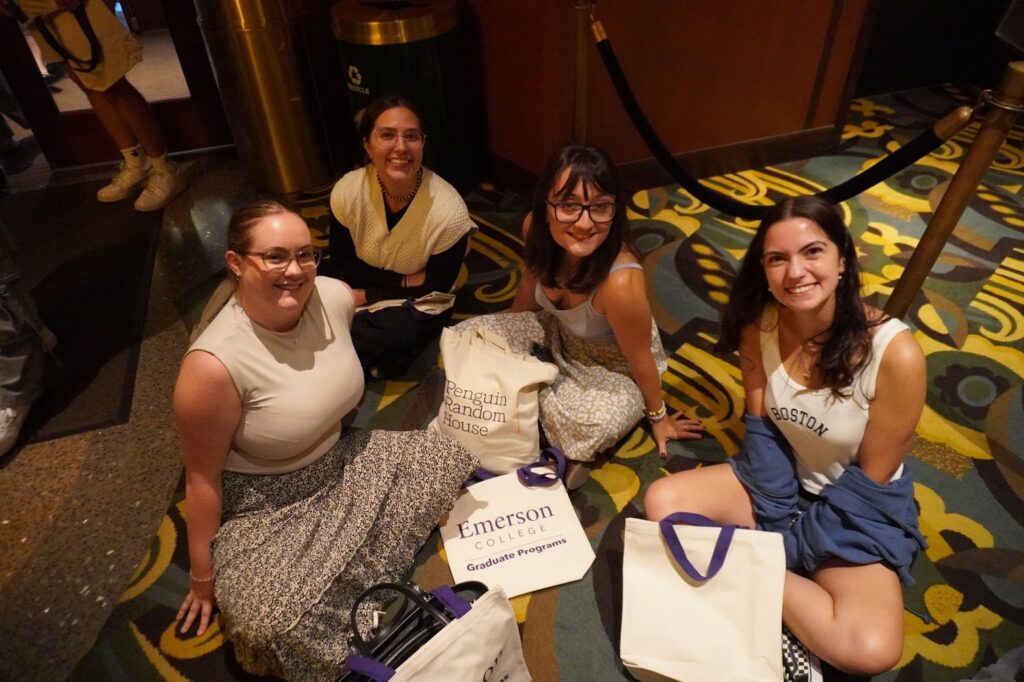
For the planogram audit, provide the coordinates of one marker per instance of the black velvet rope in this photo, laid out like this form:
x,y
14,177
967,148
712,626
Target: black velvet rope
x,y
907,154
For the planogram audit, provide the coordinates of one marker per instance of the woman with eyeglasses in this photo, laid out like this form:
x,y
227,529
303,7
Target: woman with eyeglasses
x,y
398,232
288,521
584,279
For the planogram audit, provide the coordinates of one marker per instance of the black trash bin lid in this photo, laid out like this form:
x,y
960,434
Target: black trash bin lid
x,y
392,22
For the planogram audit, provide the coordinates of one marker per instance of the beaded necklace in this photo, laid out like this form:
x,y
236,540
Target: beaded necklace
x,y
408,197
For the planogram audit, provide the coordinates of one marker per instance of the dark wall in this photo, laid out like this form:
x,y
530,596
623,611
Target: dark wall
x,y
924,42
707,73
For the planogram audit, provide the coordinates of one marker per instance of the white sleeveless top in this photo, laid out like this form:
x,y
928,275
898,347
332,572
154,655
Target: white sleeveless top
x,y
583,320
825,432
295,386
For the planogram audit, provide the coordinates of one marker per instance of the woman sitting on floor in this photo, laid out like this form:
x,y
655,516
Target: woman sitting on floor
x,y
398,232
834,389
288,522
583,276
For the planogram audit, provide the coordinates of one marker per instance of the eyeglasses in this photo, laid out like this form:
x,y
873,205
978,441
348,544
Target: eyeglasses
x,y
569,212
278,260
389,136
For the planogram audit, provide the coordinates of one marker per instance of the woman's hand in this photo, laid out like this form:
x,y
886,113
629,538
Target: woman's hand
x,y
199,603
359,297
675,427
414,280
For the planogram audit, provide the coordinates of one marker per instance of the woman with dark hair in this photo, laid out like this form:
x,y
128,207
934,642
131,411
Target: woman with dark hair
x,y
398,232
834,389
288,521
583,277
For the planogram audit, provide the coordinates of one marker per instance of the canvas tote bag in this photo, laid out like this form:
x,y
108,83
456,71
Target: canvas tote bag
x,y
518,531
490,398
480,642
701,602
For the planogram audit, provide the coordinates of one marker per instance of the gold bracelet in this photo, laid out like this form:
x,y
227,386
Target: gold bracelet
x,y
658,414
197,580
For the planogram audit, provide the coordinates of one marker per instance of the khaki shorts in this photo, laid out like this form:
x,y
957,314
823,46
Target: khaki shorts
x,y
121,51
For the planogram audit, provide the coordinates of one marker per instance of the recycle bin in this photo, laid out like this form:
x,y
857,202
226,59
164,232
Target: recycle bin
x,y
256,50
415,50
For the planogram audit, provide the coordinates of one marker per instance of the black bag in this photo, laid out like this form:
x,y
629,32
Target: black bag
x,y
411,620
80,64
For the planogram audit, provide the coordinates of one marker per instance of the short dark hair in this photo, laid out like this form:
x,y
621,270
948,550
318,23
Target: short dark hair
x,y
246,217
591,166
373,110
847,348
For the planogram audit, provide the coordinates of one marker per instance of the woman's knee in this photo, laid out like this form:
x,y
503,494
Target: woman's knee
x,y
662,498
870,651
713,491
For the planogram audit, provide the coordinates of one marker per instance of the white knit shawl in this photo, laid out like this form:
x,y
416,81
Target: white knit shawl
x,y
435,220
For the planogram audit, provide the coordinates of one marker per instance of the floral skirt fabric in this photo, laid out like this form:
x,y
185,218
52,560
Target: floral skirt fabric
x,y
296,549
594,402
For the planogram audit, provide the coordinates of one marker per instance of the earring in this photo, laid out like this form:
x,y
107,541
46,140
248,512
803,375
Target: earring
x,y
236,274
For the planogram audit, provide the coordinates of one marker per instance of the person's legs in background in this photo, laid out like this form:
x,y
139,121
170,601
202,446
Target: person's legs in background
x,y
23,341
129,120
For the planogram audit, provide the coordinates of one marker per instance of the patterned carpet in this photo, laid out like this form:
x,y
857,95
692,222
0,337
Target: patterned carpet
x,y
966,458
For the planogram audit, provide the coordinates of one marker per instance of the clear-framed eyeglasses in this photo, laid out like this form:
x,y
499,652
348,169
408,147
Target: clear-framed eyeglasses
x,y
389,136
278,260
569,212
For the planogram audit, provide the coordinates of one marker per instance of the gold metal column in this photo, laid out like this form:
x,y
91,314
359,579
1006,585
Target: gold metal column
x,y
584,17
256,51
1004,105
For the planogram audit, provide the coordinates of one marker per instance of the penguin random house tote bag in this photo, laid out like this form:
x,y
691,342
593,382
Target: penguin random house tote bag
x,y
701,603
490,398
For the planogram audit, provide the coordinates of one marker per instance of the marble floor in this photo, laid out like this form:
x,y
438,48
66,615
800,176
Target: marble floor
x,y
77,514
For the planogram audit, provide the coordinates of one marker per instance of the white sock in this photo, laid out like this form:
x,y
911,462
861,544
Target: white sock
x,y
134,157
161,164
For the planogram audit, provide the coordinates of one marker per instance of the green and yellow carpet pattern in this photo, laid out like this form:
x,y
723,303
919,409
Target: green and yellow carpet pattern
x,y
966,457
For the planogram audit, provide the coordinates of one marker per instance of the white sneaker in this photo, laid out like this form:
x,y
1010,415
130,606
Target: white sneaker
x,y
11,419
125,183
161,188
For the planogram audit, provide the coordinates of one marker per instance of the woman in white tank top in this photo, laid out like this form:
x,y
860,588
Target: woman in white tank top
x,y
583,274
834,390
282,508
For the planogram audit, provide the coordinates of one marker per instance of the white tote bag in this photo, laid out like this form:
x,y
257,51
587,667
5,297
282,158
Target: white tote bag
x,y
518,531
481,643
701,603
490,398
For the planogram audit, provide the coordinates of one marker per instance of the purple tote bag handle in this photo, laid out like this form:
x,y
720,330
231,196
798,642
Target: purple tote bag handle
x,y
527,476
679,554
378,672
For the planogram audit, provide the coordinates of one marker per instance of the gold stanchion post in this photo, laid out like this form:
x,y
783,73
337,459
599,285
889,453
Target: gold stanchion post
x,y
1004,105
584,17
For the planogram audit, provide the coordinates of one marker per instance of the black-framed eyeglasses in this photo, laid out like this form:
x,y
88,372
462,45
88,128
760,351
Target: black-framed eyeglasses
x,y
569,212
412,137
278,260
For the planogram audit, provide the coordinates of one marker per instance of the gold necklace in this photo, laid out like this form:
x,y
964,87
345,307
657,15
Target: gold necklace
x,y
806,369
408,197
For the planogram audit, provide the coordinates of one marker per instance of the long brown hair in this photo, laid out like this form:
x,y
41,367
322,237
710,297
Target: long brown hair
x,y
846,348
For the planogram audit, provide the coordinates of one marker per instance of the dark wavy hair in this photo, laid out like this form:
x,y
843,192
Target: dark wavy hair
x,y
544,258
846,347
246,217
373,110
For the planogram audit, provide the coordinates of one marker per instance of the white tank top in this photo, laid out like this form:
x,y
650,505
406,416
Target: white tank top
x,y
295,386
825,432
583,320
